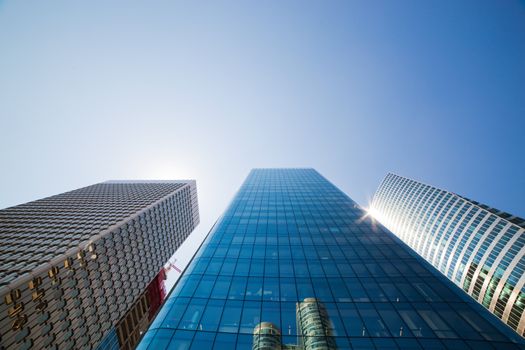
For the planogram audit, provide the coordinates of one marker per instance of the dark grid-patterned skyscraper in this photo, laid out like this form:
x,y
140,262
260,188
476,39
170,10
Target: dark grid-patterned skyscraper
x,y
295,264
84,269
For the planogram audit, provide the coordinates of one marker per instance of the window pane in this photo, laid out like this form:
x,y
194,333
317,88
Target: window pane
x,y
336,323
322,289
244,342
395,324
175,314
355,289
202,340
352,321
212,315
271,289
231,316
440,328
415,323
254,288
479,323
242,268
286,268
288,291
391,292
221,288
374,291
214,267
301,269
228,267
339,290
205,286
257,267
181,340
190,286
456,322
304,288
288,319
271,313
225,341
251,316
315,269
373,322
193,314
237,288
426,291
162,339
164,311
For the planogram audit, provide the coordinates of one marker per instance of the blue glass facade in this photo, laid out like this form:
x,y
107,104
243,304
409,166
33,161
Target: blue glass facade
x,y
294,263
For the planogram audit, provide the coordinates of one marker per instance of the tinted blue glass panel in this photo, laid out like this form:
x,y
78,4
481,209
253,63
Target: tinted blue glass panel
x,y
161,339
251,316
212,315
176,310
181,340
231,316
254,288
192,315
203,340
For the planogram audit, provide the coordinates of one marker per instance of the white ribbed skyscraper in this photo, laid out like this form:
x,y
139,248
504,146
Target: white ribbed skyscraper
x,y
479,248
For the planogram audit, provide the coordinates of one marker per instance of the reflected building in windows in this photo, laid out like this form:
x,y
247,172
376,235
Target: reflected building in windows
x,y
266,336
294,263
314,330
84,269
479,248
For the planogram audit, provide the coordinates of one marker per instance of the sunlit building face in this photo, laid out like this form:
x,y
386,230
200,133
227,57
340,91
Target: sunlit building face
x,y
479,248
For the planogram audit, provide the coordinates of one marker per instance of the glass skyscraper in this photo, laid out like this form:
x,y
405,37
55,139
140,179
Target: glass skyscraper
x,y
294,263
84,269
479,248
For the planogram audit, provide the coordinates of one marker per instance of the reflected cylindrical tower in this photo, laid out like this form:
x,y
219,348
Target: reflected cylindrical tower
x,y
266,336
314,326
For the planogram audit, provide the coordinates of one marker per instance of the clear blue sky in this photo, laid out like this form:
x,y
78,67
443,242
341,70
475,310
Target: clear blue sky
x,y
97,90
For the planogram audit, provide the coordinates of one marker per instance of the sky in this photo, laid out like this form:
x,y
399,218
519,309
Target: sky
x,y
207,90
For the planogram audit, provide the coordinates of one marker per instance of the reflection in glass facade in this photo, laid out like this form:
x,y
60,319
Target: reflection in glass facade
x,y
294,264
479,248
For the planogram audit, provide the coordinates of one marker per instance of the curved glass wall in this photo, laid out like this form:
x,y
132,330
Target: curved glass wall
x,y
295,264
479,248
